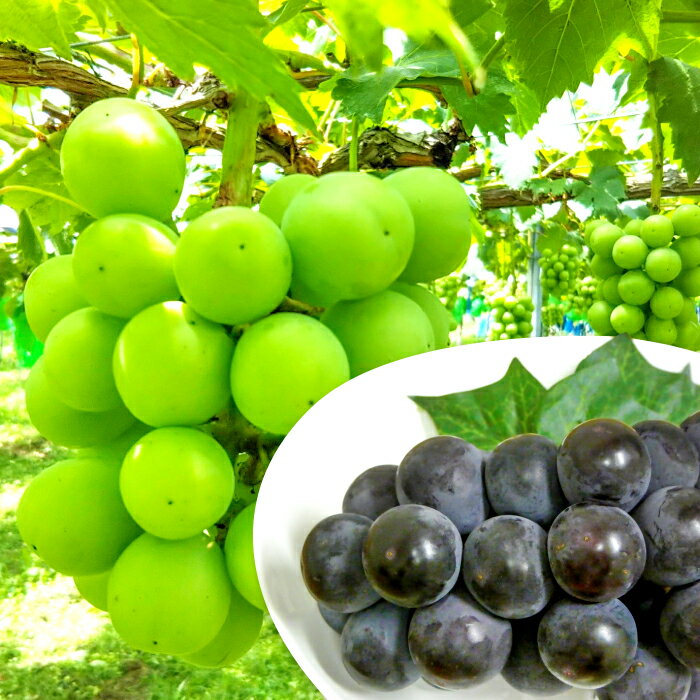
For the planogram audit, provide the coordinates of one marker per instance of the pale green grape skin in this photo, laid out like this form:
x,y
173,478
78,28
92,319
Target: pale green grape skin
x,y
610,291
663,265
661,330
72,516
442,214
657,231
604,267
78,360
117,448
629,252
666,303
171,366
588,229
308,296
603,239
633,227
641,335
437,314
277,199
689,282
66,426
240,560
237,635
688,313
350,234
688,335
599,318
686,220
124,263
689,250
176,482
233,265
169,596
380,329
626,318
122,156
51,293
93,588
282,366
635,287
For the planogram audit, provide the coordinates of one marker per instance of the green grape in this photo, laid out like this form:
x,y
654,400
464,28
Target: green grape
x,y
64,425
663,265
688,313
240,561
233,265
633,227
50,294
563,258
524,328
657,231
519,311
237,635
635,287
498,313
438,316
604,267
572,265
497,328
508,317
557,267
689,250
72,516
689,282
666,302
117,448
688,335
380,329
280,195
169,596
599,317
512,329
78,360
626,318
661,330
176,482
310,296
350,235
283,365
550,284
510,302
610,291
591,226
686,220
629,252
121,156
603,239
93,588
442,214
171,366
641,335
124,263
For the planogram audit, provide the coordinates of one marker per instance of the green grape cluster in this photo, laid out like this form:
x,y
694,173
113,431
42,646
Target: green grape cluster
x,y
447,289
150,336
560,270
649,277
584,295
553,315
511,316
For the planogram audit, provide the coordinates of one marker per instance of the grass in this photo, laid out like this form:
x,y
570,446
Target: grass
x,y
55,646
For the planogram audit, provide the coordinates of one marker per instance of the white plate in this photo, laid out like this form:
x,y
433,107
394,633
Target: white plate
x,y
368,421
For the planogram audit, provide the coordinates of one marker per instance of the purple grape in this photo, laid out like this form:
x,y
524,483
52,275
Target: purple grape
x,y
606,462
597,553
674,458
373,492
411,555
646,601
521,479
445,473
335,620
331,563
670,521
505,566
587,645
374,647
680,625
691,427
653,675
458,644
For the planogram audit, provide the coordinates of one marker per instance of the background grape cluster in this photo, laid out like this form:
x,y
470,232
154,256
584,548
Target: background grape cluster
x,y
511,316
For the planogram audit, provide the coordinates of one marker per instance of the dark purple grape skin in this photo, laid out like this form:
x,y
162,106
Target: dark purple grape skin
x,y
587,645
596,552
445,473
335,620
524,669
604,461
691,427
331,563
521,479
412,555
653,675
505,566
373,492
646,601
694,693
674,458
680,625
374,647
456,643
670,521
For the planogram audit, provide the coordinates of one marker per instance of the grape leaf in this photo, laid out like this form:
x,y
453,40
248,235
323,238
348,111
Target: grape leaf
x,y
677,86
223,35
604,191
287,11
556,46
680,40
29,242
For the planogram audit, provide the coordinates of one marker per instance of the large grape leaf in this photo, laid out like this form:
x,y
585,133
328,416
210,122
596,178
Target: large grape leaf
x,y
223,35
680,40
677,85
557,45
603,192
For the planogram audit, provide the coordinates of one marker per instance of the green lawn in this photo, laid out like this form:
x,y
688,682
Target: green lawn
x,y
55,646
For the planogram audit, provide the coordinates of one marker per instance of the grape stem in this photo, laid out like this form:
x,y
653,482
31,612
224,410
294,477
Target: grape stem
x,y
354,145
34,149
137,69
657,154
299,307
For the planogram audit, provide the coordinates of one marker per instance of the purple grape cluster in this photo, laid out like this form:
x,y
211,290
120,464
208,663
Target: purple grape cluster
x,y
557,566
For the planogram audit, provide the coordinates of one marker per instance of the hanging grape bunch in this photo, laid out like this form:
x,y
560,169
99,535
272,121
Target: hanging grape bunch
x,y
560,270
553,315
447,289
649,277
511,316
584,294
